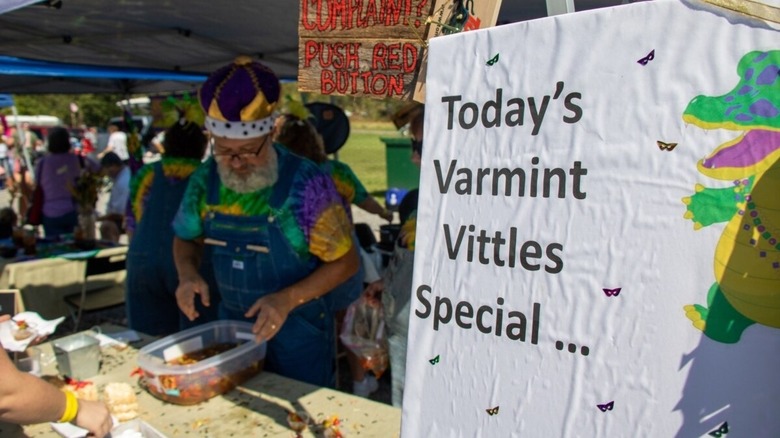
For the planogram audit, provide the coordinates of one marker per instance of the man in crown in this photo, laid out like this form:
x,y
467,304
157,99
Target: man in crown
x,y
280,238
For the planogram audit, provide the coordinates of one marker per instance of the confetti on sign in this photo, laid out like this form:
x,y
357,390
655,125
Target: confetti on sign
x,y
650,56
492,411
435,360
607,406
722,430
493,60
612,292
666,146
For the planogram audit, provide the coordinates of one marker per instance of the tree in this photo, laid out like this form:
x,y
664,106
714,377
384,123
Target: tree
x,y
93,109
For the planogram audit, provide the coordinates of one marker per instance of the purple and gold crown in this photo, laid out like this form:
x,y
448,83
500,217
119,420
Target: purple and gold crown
x,y
239,99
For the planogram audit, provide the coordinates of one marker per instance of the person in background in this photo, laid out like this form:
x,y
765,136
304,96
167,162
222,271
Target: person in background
x,y
112,222
155,194
26,399
280,235
89,141
396,286
157,144
56,173
22,180
5,165
301,137
8,221
30,139
117,143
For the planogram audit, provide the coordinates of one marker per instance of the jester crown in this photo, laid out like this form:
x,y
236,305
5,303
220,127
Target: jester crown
x,y
240,99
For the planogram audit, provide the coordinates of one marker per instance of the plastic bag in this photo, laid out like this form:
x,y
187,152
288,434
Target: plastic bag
x,y
364,334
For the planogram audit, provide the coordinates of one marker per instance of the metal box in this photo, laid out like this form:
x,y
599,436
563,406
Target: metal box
x,y
78,356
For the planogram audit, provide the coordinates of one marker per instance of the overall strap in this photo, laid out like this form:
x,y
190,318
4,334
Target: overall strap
x,y
212,188
159,172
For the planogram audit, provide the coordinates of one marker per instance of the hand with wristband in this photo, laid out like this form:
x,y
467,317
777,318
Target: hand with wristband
x,y
26,399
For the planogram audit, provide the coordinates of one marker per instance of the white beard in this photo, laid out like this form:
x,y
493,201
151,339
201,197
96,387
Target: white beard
x,y
262,177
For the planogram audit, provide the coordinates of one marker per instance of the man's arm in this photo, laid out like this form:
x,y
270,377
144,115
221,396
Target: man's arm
x,y
187,255
272,309
109,148
370,205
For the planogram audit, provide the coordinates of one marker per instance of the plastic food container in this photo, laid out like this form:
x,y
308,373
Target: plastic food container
x,y
136,429
166,378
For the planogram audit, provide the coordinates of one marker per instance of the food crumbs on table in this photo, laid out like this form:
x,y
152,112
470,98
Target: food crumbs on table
x,y
298,421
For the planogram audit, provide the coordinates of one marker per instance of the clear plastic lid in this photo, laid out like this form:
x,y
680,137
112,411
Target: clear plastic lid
x,y
154,357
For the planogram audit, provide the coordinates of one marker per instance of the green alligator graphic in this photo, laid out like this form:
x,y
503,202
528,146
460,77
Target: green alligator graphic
x,y
747,258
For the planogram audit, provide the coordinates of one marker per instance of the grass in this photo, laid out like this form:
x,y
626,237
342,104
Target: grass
x,y
364,152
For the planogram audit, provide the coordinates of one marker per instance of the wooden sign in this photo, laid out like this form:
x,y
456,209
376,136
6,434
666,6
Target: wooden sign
x,y
454,17
376,48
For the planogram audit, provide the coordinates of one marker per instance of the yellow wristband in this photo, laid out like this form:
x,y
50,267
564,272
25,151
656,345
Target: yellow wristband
x,y
71,408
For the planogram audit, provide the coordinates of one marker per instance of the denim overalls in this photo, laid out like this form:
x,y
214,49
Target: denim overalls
x,y
252,258
151,273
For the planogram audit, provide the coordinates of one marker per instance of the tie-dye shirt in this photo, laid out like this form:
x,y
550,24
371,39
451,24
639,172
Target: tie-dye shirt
x,y
408,234
312,217
347,183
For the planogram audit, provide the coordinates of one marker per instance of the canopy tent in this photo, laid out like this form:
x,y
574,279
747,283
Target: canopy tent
x,y
31,76
6,100
175,35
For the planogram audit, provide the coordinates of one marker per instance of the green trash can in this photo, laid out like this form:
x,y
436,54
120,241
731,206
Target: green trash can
x,y
401,172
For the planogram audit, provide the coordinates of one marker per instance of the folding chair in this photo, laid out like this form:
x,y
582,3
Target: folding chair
x,y
101,298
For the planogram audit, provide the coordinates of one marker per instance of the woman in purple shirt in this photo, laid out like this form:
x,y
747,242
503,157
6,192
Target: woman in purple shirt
x,y
56,173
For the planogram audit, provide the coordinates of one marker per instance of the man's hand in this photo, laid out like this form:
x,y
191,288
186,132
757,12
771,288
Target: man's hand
x,y
95,417
271,311
185,295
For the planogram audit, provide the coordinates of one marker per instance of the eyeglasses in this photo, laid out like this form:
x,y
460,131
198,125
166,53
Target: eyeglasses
x,y
241,156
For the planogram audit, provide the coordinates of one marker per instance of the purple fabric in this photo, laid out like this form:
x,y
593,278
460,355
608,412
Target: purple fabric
x,y
238,89
59,172
236,93
207,90
318,195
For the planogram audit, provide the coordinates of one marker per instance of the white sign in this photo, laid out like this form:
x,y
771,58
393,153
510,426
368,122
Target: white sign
x,y
597,241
